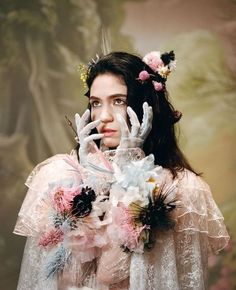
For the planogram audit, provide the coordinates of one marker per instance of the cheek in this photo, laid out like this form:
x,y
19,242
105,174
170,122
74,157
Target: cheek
x,y
94,115
123,112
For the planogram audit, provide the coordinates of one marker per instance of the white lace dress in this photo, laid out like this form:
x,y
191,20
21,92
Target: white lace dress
x,y
177,261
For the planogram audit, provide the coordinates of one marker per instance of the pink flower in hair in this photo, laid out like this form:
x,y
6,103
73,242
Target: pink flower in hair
x,y
153,60
157,86
143,75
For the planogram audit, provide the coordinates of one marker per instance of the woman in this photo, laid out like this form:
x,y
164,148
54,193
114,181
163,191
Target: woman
x,y
129,117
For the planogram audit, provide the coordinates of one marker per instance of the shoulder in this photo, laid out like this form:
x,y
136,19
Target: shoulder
x,y
54,168
186,180
190,180
196,202
193,194
58,171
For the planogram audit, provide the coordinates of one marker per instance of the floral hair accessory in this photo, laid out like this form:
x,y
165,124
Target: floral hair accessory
x,y
83,74
143,75
153,60
161,64
157,86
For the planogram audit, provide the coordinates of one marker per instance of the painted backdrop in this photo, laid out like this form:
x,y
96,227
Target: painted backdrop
x,y
42,43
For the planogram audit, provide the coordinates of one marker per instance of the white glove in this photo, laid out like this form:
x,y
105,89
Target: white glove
x,y
137,134
85,140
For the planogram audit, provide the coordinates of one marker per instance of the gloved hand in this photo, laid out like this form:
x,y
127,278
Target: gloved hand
x,y
85,140
137,134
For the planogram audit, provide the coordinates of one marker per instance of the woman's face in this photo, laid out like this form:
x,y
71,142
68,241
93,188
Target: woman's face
x,y
108,97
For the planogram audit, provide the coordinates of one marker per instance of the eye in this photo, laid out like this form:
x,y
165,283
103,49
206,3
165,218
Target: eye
x,y
95,104
119,102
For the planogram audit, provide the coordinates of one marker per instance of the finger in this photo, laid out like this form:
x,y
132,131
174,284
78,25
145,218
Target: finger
x,y
147,125
84,119
147,121
87,129
77,121
135,125
145,117
92,138
123,126
150,114
81,121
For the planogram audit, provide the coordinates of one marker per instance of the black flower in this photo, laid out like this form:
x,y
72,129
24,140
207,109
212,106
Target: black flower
x,y
82,203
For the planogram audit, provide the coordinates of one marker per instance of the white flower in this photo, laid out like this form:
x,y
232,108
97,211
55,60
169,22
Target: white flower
x,y
172,65
131,183
136,173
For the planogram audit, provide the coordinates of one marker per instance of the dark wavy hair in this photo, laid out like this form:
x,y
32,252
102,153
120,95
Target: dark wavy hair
x,y
162,141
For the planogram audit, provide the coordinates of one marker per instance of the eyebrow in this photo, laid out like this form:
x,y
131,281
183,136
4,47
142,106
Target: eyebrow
x,y
110,97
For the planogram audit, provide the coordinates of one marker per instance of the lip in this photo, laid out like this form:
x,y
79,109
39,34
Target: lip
x,y
108,132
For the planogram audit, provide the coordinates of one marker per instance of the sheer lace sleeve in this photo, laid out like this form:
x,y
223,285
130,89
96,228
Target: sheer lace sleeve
x,y
199,213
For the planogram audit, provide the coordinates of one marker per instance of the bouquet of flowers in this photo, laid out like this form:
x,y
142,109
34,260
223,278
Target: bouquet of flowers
x,y
140,205
76,225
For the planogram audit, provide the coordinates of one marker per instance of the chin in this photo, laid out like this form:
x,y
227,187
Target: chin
x,y
111,143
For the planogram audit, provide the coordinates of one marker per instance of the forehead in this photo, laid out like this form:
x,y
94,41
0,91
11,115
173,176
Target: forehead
x,y
105,85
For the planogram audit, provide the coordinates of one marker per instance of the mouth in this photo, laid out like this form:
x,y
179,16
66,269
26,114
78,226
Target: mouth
x,y
108,132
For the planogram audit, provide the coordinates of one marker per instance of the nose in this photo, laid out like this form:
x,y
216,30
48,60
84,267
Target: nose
x,y
106,115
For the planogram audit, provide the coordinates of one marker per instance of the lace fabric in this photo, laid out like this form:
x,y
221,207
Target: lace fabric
x,y
179,258
177,261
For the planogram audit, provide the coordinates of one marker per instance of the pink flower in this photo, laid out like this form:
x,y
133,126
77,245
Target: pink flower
x,y
62,198
144,75
51,238
86,243
124,229
153,60
157,86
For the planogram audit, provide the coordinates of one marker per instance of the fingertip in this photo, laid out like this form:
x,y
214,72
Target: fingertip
x,y
98,121
130,111
98,136
87,113
77,118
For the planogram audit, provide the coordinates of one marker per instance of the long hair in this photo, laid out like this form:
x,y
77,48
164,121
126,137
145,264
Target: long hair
x,y
161,141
